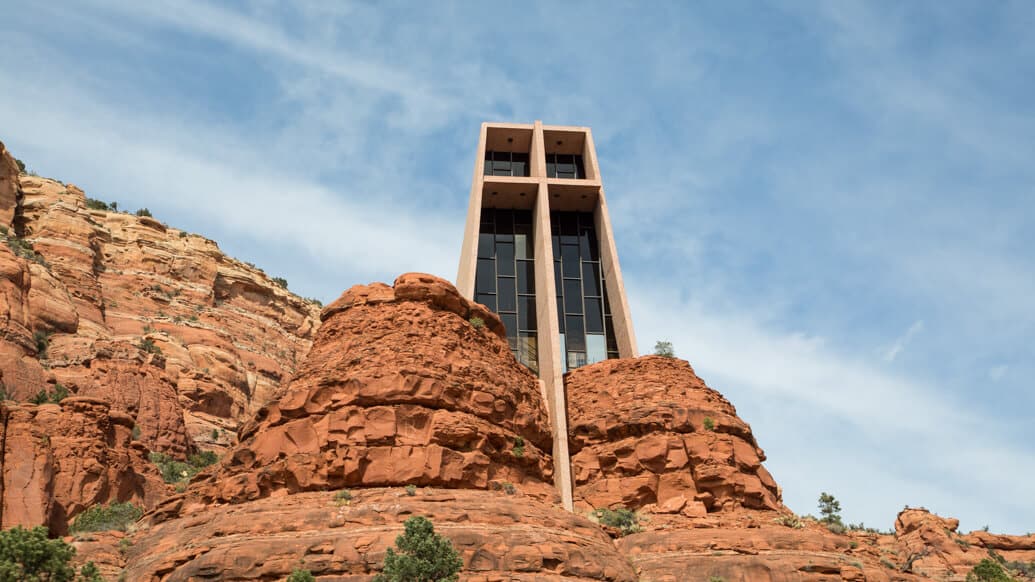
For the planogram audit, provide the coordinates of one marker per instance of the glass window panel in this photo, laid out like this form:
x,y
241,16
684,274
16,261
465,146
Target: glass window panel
x,y
574,332
528,351
487,299
506,295
591,279
522,246
560,315
609,329
570,261
556,243
504,221
488,164
501,164
564,361
505,257
594,316
526,276
595,350
485,276
565,165
580,168
572,296
576,360
523,217
551,166
557,279
486,248
607,304
612,355
510,322
526,312
519,164
569,224
585,241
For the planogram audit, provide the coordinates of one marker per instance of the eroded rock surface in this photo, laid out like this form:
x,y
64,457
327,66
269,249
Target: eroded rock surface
x,y
58,459
639,436
399,388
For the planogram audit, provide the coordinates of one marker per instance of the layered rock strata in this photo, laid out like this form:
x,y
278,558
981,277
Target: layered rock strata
x,y
58,459
156,320
648,432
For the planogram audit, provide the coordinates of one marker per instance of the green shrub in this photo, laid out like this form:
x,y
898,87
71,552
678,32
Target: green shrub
x,y
519,447
148,345
280,281
114,516
42,339
509,488
664,349
424,556
93,204
343,497
54,396
27,555
21,165
988,570
624,520
709,424
477,322
716,579
791,521
299,575
174,471
411,489
144,212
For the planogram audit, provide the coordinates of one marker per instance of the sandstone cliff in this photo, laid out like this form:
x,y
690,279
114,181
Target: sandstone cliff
x,y
182,342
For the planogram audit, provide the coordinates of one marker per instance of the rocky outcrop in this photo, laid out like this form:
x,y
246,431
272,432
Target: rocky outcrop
x,y
648,432
58,459
499,537
399,388
157,321
9,186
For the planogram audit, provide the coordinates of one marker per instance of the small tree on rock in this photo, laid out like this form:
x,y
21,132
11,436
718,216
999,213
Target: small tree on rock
x,y
829,508
424,556
988,570
664,349
27,555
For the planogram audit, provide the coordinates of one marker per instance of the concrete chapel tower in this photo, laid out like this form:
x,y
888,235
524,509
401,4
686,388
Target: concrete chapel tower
x,y
539,251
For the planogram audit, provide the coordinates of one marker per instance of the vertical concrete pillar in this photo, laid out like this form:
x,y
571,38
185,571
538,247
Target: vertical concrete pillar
x,y
469,250
550,371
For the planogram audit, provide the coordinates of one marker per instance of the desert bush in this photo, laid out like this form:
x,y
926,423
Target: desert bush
x,y
709,424
144,212
423,556
299,575
148,345
42,340
411,489
174,471
477,322
27,555
663,348
94,204
280,281
343,496
114,516
792,521
21,165
57,394
519,447
988,570
624,520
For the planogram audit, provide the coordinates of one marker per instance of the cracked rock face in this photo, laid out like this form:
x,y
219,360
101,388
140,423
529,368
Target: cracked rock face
x,y
649,432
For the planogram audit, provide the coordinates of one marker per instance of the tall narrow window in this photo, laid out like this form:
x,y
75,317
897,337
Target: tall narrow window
x,y
584,317
505,278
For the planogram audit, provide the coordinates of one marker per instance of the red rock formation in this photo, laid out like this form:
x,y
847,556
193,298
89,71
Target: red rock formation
x,y
638,438
58,459
399,388
9,188
499,537
107,283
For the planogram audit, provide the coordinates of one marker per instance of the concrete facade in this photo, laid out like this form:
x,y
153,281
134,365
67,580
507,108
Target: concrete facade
x,y
542,194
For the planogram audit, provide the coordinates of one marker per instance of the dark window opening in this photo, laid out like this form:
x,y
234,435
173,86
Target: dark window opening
x,y
506,164
565,166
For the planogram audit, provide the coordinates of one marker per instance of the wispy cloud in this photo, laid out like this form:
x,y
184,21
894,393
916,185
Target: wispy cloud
x,y
900,343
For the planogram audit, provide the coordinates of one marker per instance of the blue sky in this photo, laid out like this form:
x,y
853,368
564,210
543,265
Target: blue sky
x,y
828,207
